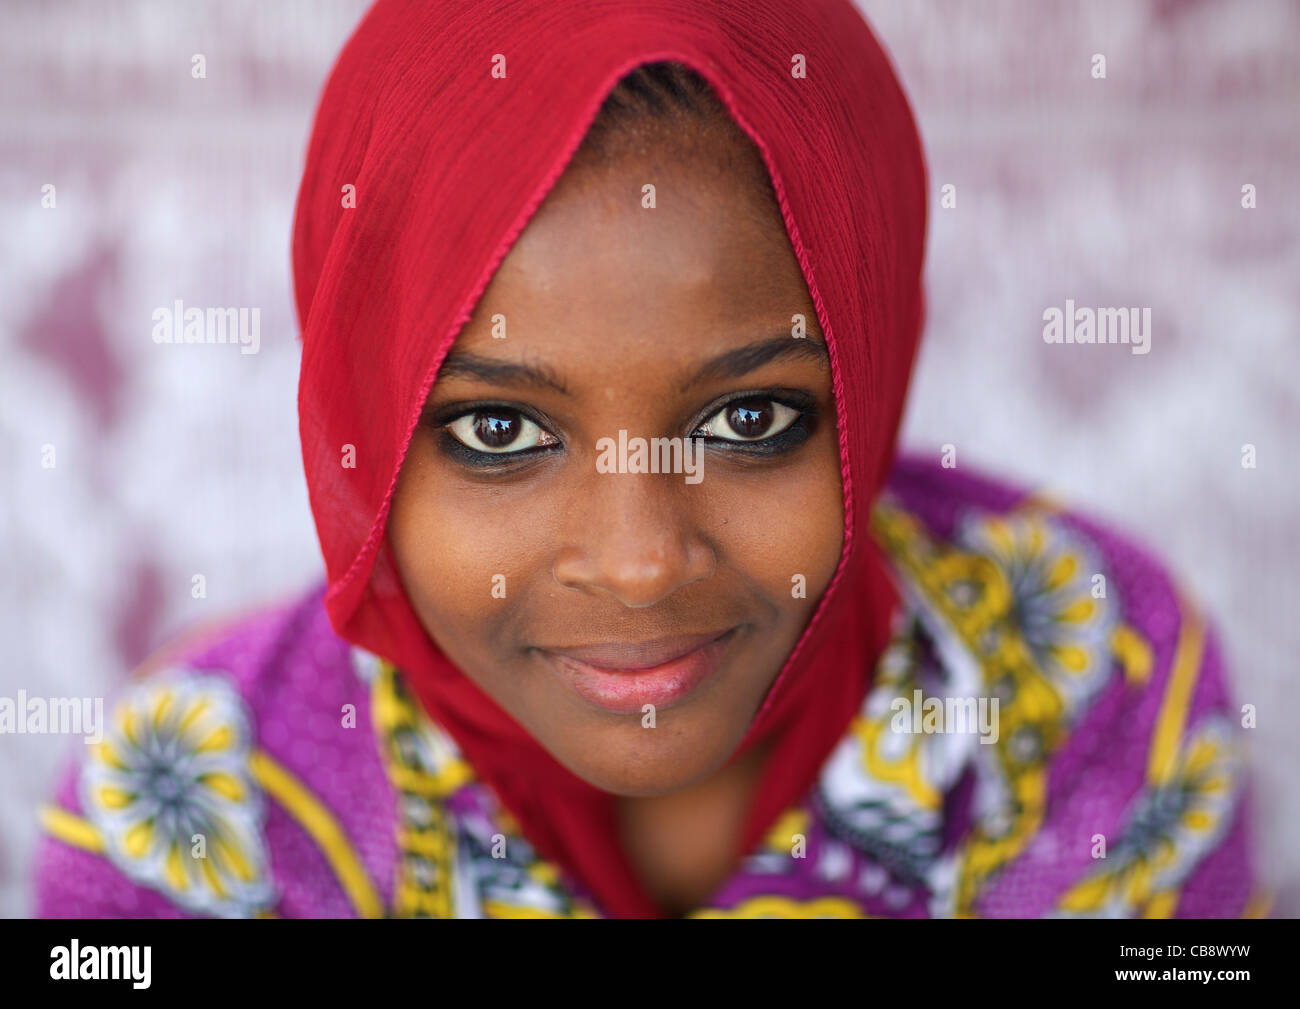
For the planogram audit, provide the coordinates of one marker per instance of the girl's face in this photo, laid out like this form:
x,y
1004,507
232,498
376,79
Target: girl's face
x,y
632,622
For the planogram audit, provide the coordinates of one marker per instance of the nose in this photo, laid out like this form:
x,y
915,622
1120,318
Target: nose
x,y
633,536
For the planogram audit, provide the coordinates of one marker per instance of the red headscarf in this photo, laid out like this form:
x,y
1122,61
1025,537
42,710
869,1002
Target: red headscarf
x,y
449,162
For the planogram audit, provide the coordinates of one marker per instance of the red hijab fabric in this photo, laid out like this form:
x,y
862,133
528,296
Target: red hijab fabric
x,y
448,162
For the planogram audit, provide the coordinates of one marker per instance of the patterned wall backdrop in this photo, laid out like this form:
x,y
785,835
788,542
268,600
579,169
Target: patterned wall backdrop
x,y
130,467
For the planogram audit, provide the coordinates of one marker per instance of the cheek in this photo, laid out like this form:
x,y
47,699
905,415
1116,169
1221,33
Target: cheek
x,y
778,526
460,554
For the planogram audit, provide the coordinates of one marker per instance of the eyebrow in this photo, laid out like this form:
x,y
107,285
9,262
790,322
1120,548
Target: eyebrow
x,y
743,360
489,369
732,364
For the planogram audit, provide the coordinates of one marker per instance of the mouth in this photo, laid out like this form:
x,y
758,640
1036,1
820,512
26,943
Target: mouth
x,y
623,677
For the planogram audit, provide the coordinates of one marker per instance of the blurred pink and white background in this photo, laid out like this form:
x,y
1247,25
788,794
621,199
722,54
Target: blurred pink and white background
x,y
173,461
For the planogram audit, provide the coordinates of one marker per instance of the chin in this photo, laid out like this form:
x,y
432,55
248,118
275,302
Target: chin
x,y
655,762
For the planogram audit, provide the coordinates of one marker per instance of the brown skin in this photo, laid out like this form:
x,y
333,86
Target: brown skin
x,y
624,305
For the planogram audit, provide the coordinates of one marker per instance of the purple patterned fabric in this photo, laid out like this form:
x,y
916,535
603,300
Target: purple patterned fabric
x,y
271,769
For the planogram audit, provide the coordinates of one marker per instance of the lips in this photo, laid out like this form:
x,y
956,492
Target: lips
x,y
623,677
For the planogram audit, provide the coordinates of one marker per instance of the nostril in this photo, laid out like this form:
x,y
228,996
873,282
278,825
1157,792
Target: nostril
x,y
637,580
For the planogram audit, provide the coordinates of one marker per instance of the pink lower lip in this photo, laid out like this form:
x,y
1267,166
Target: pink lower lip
x,y
628,691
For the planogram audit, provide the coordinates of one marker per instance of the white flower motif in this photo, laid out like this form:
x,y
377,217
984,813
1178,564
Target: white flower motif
x,y
1050,570
170,791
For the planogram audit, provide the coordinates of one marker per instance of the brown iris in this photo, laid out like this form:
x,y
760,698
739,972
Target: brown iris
x,y
498,428
750,418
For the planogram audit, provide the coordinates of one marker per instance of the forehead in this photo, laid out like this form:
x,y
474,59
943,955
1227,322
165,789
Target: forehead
x,y
667,223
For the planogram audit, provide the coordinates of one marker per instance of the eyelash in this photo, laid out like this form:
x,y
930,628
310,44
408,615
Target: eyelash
x,y
786,440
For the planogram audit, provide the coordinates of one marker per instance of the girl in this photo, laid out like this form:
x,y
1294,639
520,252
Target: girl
x,y
608,313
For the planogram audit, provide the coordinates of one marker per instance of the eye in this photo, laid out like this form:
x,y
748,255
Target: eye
x,y
499,431
748,420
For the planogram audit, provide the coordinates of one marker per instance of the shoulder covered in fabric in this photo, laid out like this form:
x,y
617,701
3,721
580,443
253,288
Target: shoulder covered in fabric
x,y
217,767
1116,782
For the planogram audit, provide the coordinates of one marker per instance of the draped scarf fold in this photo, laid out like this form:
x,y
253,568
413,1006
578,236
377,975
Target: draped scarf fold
x,y
424,166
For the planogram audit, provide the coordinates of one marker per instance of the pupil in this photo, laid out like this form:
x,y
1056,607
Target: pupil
x,y
497,430
751,419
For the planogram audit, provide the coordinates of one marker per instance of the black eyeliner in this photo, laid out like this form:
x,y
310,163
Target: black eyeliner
x,y
452,446
787,440
796,399
438,420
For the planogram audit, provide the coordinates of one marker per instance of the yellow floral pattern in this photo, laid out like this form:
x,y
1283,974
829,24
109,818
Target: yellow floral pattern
x,y
170,792
1171,827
